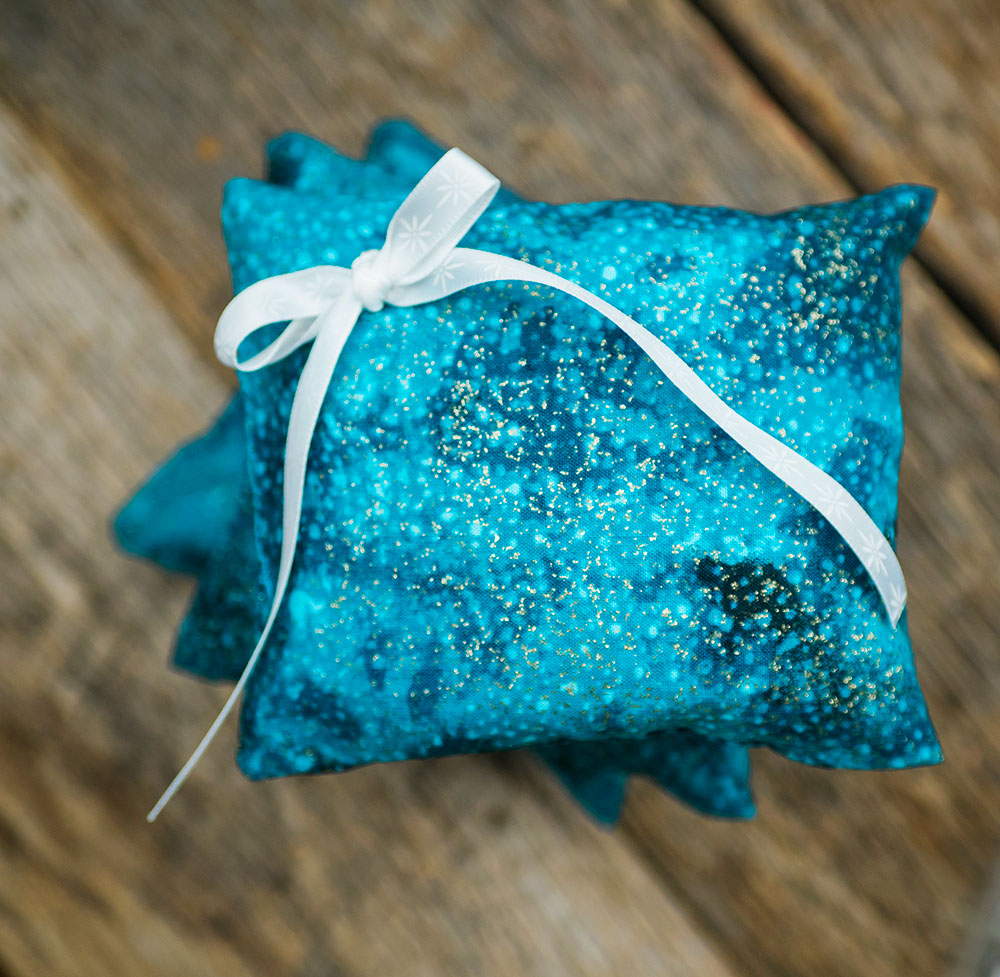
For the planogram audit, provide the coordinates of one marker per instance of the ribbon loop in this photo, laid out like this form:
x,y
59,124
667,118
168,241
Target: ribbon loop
x,y
420,262
436,215
299,296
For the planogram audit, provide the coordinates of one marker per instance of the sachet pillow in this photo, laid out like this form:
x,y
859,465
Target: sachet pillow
x,y
517,532
184,510
215,638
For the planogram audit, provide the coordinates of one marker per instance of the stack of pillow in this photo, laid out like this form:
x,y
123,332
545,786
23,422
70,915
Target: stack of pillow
x,y
516,533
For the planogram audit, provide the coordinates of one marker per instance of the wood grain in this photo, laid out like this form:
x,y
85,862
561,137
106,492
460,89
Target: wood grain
x,y
842,873
564,99
447,868
896,90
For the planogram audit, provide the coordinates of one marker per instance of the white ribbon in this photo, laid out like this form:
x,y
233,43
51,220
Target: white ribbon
x,y
418,263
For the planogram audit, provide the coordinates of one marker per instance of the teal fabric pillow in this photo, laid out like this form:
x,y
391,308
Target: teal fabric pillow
x,y
184,512
516,532
215,638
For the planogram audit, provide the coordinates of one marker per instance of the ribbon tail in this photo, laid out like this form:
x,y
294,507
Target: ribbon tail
x,y
333,329
844,513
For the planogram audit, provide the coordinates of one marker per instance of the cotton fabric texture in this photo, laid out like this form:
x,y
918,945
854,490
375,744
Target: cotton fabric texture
x,y
517,532
165,518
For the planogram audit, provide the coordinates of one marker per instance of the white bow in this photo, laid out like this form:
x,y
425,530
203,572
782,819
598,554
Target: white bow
x,y
420,262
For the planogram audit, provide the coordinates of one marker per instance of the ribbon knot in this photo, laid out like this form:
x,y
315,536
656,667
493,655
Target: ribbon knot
x,y
369,281
420,262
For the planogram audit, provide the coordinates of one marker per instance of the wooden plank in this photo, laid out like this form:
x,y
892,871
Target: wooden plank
x,y
437,868
896,91
581,100
843,872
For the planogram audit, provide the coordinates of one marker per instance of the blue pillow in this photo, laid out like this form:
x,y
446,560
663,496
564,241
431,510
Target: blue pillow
x,y
215,638
183,512
517,532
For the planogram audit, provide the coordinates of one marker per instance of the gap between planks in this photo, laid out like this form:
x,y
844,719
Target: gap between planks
x,y
964,298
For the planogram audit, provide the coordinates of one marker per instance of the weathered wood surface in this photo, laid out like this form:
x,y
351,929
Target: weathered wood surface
x,y
842,873
454,867
891,90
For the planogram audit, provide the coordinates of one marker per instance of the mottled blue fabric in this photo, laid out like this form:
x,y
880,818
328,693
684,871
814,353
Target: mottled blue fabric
x,y
183,512
710,775
517,532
